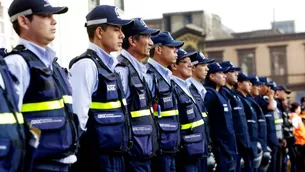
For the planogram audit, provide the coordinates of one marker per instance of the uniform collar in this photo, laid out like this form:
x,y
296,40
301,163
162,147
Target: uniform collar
x,y
140,67
164,72
184,85
46,55
107,59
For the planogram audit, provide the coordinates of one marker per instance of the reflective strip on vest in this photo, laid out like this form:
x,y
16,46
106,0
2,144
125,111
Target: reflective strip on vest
x,y
204,114
42,106
140,113
8,118
192,125
278,121
67,99
108,105
167,113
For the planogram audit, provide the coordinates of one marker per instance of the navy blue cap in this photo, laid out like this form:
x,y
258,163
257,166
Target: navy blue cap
x,y
106,14
242,77
230,66
281,87
200,58
215,67
139,27
29,7
265,81
182,54
165,38
255,80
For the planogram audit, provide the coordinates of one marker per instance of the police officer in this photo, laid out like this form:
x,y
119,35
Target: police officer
x,y
99,98
261,121
220,118
281,94
199,71
266,102
193,141
13,131
238,114
243,88
44,91
163,54
136,46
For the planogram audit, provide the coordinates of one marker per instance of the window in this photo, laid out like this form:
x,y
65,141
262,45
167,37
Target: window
x,y
217,55
187,19
246,60
92,4
278,64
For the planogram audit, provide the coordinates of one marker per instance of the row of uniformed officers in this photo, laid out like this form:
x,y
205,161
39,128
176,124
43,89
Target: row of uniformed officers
x,y
124,115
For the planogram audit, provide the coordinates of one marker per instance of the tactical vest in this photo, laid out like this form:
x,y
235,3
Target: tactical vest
x,y
12,135
143,125
239,119
271,131
166,113
193,139
252,123
221,124
278,121
108,126
261,121
47,105
204,114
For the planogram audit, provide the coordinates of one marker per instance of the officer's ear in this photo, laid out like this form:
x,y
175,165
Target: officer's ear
x,y
174,67
23,21
212,76
193,68
158,50
131,41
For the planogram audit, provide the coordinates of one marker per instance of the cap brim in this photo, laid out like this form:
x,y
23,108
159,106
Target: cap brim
x,y
269,84
287,91
257,83
224,69
190,54
121,22
234,69
53,10
175,44
150,31
207,61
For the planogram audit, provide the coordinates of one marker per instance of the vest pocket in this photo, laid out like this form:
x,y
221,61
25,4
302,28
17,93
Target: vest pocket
x,y
187,110
193,145
56,135
111,131
5,148
140,97
142,140
169,136
166,100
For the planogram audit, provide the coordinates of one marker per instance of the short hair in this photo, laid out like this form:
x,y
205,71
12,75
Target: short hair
x,y
294,106
126,44
91,29
16,26
302,99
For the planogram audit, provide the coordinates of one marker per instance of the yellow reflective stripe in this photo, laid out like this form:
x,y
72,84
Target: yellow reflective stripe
x,y
167,113
204,114
41,106
140,113
67,99
278,121
107,105
192,125
7,118
20,118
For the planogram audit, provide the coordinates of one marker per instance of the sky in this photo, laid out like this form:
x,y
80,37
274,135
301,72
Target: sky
x,y
238,15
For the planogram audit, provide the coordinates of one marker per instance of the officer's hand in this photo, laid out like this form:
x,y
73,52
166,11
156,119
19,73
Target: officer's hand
x,y
270,93
284,143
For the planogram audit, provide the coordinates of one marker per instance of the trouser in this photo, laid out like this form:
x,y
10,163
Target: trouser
x,y
248,164
293,158
225,163
51,167
103,162
164,163
137,165
203,165
187,164
300,151
272,166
